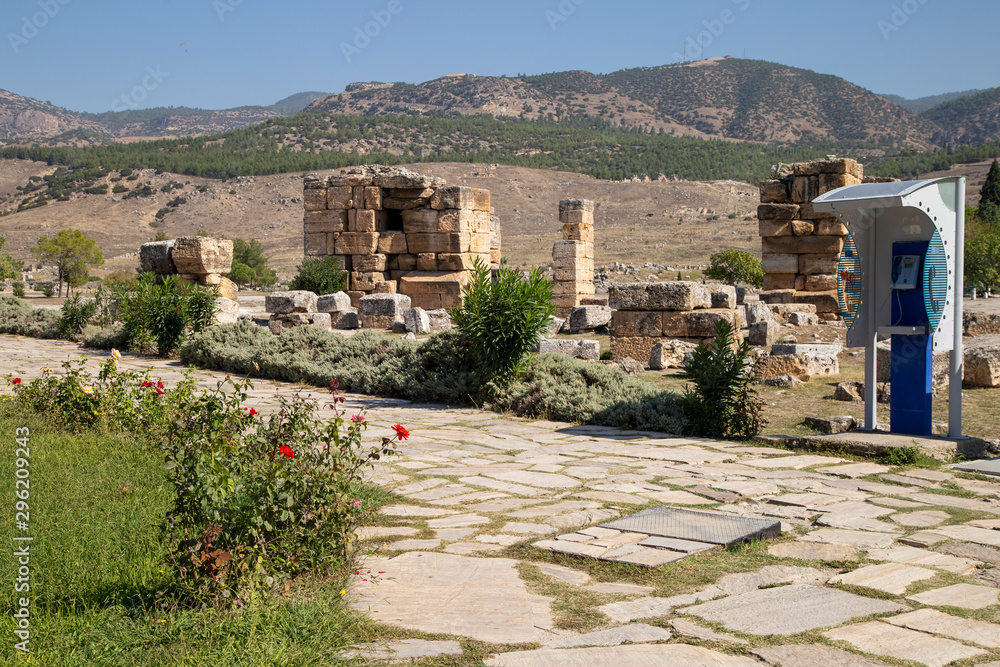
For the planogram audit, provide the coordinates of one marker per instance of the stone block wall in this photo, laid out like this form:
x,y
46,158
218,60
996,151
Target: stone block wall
x,y
573,257
800,247
646,313
398,231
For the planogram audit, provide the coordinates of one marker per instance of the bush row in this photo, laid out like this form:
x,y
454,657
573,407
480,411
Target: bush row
x,y
436,370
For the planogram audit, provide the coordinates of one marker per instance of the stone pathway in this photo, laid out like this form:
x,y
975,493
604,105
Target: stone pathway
x,y
874,562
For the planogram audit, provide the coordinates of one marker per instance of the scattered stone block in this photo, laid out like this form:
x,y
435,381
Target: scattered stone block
x,y
803,319
764,333
723,296
675,295
588,318
417,321
282,303
982,366
670,354
202,255
338,302
439,319
155,257
589,350
347,321
840,424
380,311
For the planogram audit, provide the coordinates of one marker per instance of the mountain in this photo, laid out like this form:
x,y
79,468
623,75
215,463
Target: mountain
x,y
922,104
720,98
25,120
970,119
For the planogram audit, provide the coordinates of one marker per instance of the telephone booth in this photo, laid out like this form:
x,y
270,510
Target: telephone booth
x,y
900,276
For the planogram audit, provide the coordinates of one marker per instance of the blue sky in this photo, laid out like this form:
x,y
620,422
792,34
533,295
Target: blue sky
x,y
95,55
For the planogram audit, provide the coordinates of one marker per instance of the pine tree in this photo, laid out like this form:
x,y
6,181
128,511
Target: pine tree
x,y
989,196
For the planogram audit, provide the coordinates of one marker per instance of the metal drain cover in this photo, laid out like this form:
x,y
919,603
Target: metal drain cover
x,y
709,527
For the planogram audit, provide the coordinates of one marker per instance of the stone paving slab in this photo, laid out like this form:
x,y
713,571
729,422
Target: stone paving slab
x,y
852,538
659,655
888,577
638,633
923,538
964,596
889,640
788,610
814,551
685,627
444,594
955,627
855,470
813,655
915,556
920,519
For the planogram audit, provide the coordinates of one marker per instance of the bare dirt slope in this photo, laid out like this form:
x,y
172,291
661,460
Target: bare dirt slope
x,y
659,222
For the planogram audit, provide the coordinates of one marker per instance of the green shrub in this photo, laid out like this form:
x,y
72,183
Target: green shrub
x,y
19,318
259,501
558,387
734,267
104,338
18,289
723,402
320,275
48,289
119,188
157,313
503,319
76,315
437,369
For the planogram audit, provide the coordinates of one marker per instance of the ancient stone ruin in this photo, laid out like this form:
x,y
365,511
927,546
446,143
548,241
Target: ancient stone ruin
x,y
646,313
801,248
398,231
573,257
197,260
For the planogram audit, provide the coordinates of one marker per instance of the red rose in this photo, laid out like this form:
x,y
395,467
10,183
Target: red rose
x,y
252,412
287,451
17,380
401,432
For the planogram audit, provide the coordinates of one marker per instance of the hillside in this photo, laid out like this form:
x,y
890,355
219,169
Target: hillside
x,y
971,119
919,105
26,120
721,98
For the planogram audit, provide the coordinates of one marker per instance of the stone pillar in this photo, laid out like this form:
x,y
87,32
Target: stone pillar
x,y
574,255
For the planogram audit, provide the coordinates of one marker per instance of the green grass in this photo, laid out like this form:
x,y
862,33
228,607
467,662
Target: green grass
x,y
98,596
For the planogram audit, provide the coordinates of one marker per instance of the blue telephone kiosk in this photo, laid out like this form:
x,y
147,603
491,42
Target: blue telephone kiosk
x,y
912,355
900,276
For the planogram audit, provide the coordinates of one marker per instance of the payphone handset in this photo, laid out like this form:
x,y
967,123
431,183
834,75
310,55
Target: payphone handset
x,y
905,271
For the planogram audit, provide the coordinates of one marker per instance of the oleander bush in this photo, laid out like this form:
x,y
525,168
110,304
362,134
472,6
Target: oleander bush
x,y
157,313
723,402
19,318
75,317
